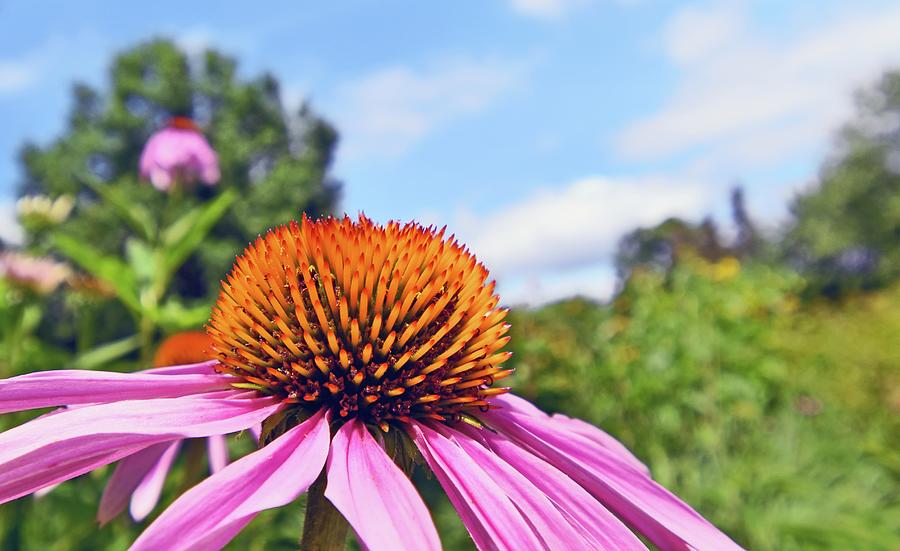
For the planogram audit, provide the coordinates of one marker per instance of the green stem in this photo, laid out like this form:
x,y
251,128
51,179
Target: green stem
x,y
324,529
195,463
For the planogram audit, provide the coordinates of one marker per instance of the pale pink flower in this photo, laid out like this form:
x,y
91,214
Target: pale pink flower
x,y
179,153
39,274
353,333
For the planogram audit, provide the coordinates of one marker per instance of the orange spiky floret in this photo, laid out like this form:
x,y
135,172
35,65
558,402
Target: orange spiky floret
x,y
377,322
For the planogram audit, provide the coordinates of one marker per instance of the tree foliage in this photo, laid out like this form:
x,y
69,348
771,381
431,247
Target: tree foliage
x,y
276,162
846,229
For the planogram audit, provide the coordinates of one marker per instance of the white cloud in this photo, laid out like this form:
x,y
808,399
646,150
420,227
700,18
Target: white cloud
x,y
16,75
744,99
195,40
693,33
546,9
57,59
597,281
576,225
387,112
20,73
10,230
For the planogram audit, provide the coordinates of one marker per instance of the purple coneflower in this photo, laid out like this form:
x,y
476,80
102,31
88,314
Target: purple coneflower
x,y
363,350
179,154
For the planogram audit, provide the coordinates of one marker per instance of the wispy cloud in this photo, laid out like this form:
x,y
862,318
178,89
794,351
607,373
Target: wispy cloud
x,y
387,112
745,100
575,225
596,281
16,75
546,9
694,33
195,40
52,60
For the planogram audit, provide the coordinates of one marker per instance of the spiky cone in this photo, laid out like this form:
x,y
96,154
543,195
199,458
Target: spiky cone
x,y
378,323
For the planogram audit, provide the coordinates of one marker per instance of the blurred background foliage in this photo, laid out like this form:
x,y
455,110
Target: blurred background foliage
x,y
756,375
274,162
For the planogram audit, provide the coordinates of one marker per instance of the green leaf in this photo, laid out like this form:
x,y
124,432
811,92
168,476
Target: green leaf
x,y
138,217
174,316
184,236
108,268
141,258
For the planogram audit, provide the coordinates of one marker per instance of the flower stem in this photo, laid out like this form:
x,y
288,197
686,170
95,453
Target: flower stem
x,y
324,529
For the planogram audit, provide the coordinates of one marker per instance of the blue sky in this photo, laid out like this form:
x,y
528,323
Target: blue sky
x,y
538,130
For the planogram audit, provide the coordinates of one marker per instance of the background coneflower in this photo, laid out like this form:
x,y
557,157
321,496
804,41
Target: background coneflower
x,y
179,153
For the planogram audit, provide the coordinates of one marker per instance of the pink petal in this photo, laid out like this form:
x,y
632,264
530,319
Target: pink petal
x,y
146,495
202,368
600,437
217,451
44,491
57,447
491,518
651,509
577,426
70,387
256,431
549,523
160,178
579,507
374,495
128,474
214,511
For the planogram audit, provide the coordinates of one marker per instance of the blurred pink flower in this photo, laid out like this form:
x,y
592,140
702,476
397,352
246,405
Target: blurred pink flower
x,y
41,275
179,153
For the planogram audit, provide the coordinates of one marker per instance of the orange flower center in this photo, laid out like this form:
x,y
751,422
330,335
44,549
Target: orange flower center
x,y
377,322
183,123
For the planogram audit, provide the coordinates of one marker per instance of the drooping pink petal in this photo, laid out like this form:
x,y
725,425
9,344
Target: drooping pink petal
x,y
211,513
146,495
57,447
575,503
161,178
202,368
256,431
632,495
217,451
577,426
555,529
77,386
491,518
374,495
600,437
128,474
45,491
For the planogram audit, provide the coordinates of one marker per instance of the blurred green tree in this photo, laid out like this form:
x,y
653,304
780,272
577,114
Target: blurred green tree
x,y
846,230
274,160
659,248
